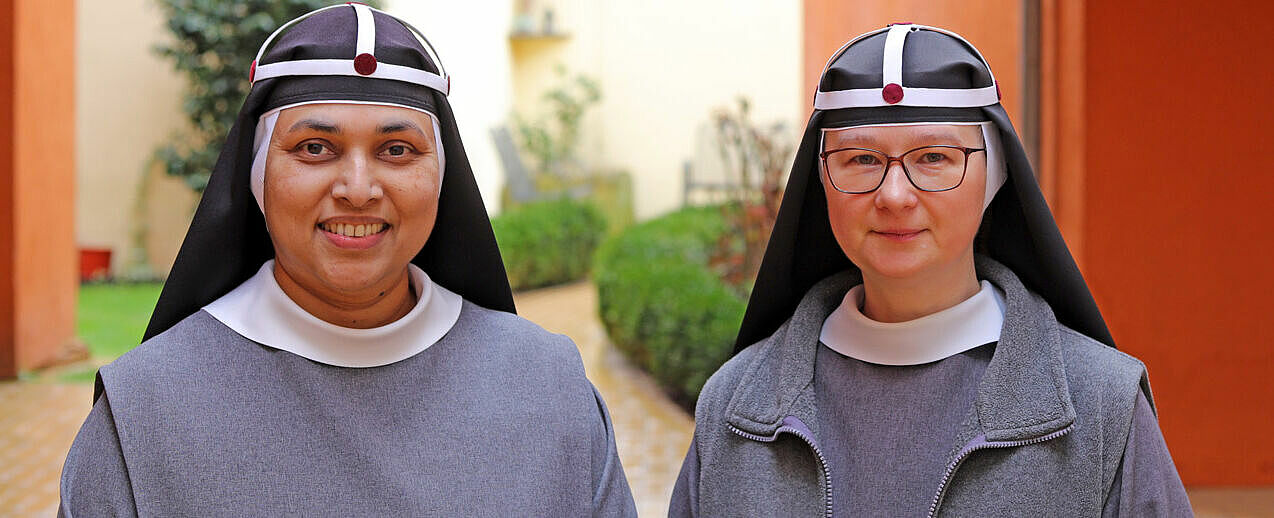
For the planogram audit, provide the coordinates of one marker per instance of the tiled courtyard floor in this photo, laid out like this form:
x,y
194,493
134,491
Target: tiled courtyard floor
x,y
38,421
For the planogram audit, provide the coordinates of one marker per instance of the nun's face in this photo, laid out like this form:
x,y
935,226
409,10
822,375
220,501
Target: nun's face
x,y
351,194
899,231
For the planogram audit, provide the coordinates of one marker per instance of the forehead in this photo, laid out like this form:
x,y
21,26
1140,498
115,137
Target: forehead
x,y
350,115
908,135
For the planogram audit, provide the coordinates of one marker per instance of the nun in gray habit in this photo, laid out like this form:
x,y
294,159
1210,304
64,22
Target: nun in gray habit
x,y
361,357
908,351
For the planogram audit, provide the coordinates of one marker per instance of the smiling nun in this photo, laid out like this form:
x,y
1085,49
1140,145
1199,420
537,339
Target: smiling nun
x,y
337,336
908,351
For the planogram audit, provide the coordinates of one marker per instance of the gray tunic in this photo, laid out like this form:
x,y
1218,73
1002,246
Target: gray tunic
x,y
496,419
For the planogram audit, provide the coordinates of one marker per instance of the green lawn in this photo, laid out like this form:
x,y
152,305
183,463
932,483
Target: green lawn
x,y
110,318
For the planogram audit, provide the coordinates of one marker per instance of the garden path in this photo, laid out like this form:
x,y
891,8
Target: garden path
x,y
38,421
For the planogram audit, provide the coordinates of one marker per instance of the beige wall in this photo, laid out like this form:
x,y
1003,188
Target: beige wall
x,y
664,65
129,101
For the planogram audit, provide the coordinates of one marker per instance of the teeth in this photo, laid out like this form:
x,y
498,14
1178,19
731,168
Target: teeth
x,y
350,230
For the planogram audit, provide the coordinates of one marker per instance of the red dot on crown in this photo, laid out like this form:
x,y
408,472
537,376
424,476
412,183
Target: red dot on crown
x,y
892,93
365,64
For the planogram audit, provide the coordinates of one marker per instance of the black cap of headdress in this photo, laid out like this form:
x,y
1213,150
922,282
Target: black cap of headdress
x,y
913,73
347,52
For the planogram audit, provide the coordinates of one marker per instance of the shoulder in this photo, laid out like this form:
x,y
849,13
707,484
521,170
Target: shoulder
x,y
1094,366
1105,386
196,341
508,335
720,388
525,366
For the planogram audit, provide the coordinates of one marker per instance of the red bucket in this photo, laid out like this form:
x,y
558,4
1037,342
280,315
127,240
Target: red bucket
x,y
95,264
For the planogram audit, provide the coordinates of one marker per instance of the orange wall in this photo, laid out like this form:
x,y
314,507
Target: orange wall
x,y
1178,200
8,336
42,271
993,26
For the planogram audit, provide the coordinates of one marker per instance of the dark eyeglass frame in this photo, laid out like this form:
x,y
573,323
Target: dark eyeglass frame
x,y
889,162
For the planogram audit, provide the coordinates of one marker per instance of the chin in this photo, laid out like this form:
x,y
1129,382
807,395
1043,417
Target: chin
x,y
897,265
355,276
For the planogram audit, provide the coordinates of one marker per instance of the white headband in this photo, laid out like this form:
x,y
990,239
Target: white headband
x,y
996,173
265,130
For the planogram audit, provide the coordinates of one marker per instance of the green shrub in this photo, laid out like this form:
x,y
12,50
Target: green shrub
x,y
662,303
548,242
610,191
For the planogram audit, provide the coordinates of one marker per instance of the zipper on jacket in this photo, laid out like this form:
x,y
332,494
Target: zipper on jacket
x,y
818,454
980,443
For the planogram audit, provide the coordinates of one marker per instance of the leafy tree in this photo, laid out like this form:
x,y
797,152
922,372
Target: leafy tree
x,y
213,44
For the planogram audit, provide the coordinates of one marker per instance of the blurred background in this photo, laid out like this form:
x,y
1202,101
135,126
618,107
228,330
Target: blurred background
x,y
632,155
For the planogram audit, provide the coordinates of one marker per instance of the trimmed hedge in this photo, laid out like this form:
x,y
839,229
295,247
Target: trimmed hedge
x,y
663,305
548,242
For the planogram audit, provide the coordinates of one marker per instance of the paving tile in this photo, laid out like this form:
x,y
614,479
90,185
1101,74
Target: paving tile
x,y
38,421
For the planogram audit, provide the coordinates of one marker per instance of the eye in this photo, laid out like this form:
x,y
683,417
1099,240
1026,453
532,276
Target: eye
x,y
864,159
398,151
932,157
312,149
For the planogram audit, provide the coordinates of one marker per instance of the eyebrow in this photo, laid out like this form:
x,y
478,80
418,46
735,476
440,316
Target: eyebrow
x,y
927,138
316,125
400,125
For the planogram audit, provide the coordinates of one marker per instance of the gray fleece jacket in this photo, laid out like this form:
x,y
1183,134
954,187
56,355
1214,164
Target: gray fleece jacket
x,y
1045,436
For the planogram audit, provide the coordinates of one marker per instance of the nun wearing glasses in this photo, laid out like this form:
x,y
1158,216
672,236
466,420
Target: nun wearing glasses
x,y
919,341
337,336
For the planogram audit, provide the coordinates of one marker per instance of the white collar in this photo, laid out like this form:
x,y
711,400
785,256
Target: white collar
x,y
259,310
974,322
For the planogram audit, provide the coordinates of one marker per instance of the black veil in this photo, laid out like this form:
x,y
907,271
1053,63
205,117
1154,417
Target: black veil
x,y
1021,232
227,241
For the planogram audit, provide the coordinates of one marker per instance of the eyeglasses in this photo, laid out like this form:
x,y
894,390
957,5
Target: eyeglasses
x,y
855,170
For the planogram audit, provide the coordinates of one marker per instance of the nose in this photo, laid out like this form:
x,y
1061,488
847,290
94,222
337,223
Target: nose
x,y
896,193
357,184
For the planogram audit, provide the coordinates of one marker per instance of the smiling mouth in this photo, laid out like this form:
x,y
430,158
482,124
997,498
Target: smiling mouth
x,y
352,230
